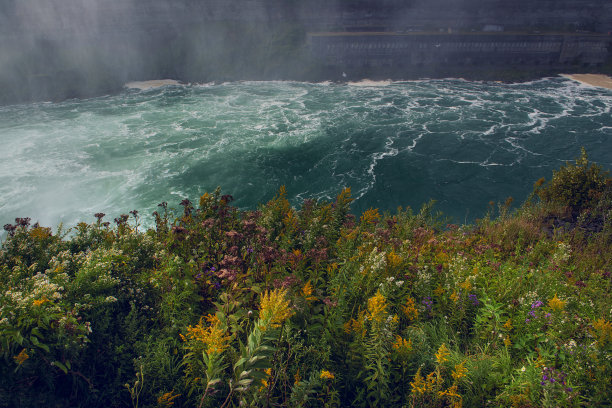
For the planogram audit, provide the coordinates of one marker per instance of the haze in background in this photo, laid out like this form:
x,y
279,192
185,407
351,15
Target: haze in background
x,y
58,49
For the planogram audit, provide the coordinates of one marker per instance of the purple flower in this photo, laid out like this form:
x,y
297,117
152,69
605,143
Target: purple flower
x,y
474,300
531,313
527,320
536,304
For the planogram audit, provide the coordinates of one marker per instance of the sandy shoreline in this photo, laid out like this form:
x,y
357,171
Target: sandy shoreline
x,y
599,80
143,85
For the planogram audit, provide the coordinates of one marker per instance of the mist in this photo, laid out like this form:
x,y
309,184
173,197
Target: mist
x,y
59,49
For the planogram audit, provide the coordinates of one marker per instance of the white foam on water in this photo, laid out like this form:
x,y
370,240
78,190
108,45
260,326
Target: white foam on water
x,y
155,83
116,151
370,83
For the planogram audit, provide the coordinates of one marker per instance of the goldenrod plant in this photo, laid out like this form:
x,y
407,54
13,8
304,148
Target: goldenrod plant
x,y
313,306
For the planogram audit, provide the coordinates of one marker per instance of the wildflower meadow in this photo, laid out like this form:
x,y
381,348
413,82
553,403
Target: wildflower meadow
x,y
314,306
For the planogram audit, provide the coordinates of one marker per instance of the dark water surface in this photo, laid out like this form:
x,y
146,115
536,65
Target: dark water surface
x,y
396,144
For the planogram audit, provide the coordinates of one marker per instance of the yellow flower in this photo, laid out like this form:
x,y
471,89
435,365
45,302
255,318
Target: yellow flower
x,y
442,257
297,377
332,267
410,309
356,325
455,296
166,400
603,330
40,233
204,199
459,372
327,375
451,392
438,291
402,345
442,354
291,221
307,292
307,289
274,308
507,341
41,301
264,382
556,304
434,380
21,357
467,285
377,306
418,384
214,337
508,325
394,260
370,216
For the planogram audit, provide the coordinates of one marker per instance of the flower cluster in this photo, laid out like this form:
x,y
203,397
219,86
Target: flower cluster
x,y
377,307
410,310
214,337
274,308
327,375
552,376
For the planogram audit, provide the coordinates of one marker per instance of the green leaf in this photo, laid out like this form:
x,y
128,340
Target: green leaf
x,y
240,362
214,382
245,382
60,366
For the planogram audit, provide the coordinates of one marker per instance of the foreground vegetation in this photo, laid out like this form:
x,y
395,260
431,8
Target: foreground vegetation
x,y
309,307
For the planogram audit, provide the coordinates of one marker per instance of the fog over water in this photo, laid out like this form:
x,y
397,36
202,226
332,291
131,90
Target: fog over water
x,y
61,49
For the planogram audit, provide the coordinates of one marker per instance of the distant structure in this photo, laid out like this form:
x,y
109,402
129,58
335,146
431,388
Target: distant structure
x,y
407,35
421,49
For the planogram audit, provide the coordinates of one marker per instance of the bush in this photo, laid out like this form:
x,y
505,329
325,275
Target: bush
x,y
578,185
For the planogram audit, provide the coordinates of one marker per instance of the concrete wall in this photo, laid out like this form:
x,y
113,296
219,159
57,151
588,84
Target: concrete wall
x,y
420,49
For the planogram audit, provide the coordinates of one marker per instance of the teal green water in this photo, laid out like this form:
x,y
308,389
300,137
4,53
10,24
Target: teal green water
x,y
399,144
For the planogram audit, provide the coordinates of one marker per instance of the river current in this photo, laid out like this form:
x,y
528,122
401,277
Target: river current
x,y
460,143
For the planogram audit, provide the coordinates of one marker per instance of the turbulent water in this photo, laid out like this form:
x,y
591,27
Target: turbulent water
x,y
461,143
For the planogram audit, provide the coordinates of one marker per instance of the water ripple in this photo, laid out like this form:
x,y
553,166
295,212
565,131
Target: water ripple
x,y
395,143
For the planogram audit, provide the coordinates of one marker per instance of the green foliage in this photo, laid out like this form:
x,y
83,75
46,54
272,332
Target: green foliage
x,y
576,185
314,307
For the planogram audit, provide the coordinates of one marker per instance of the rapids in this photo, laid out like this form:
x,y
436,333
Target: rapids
x,y
461,143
